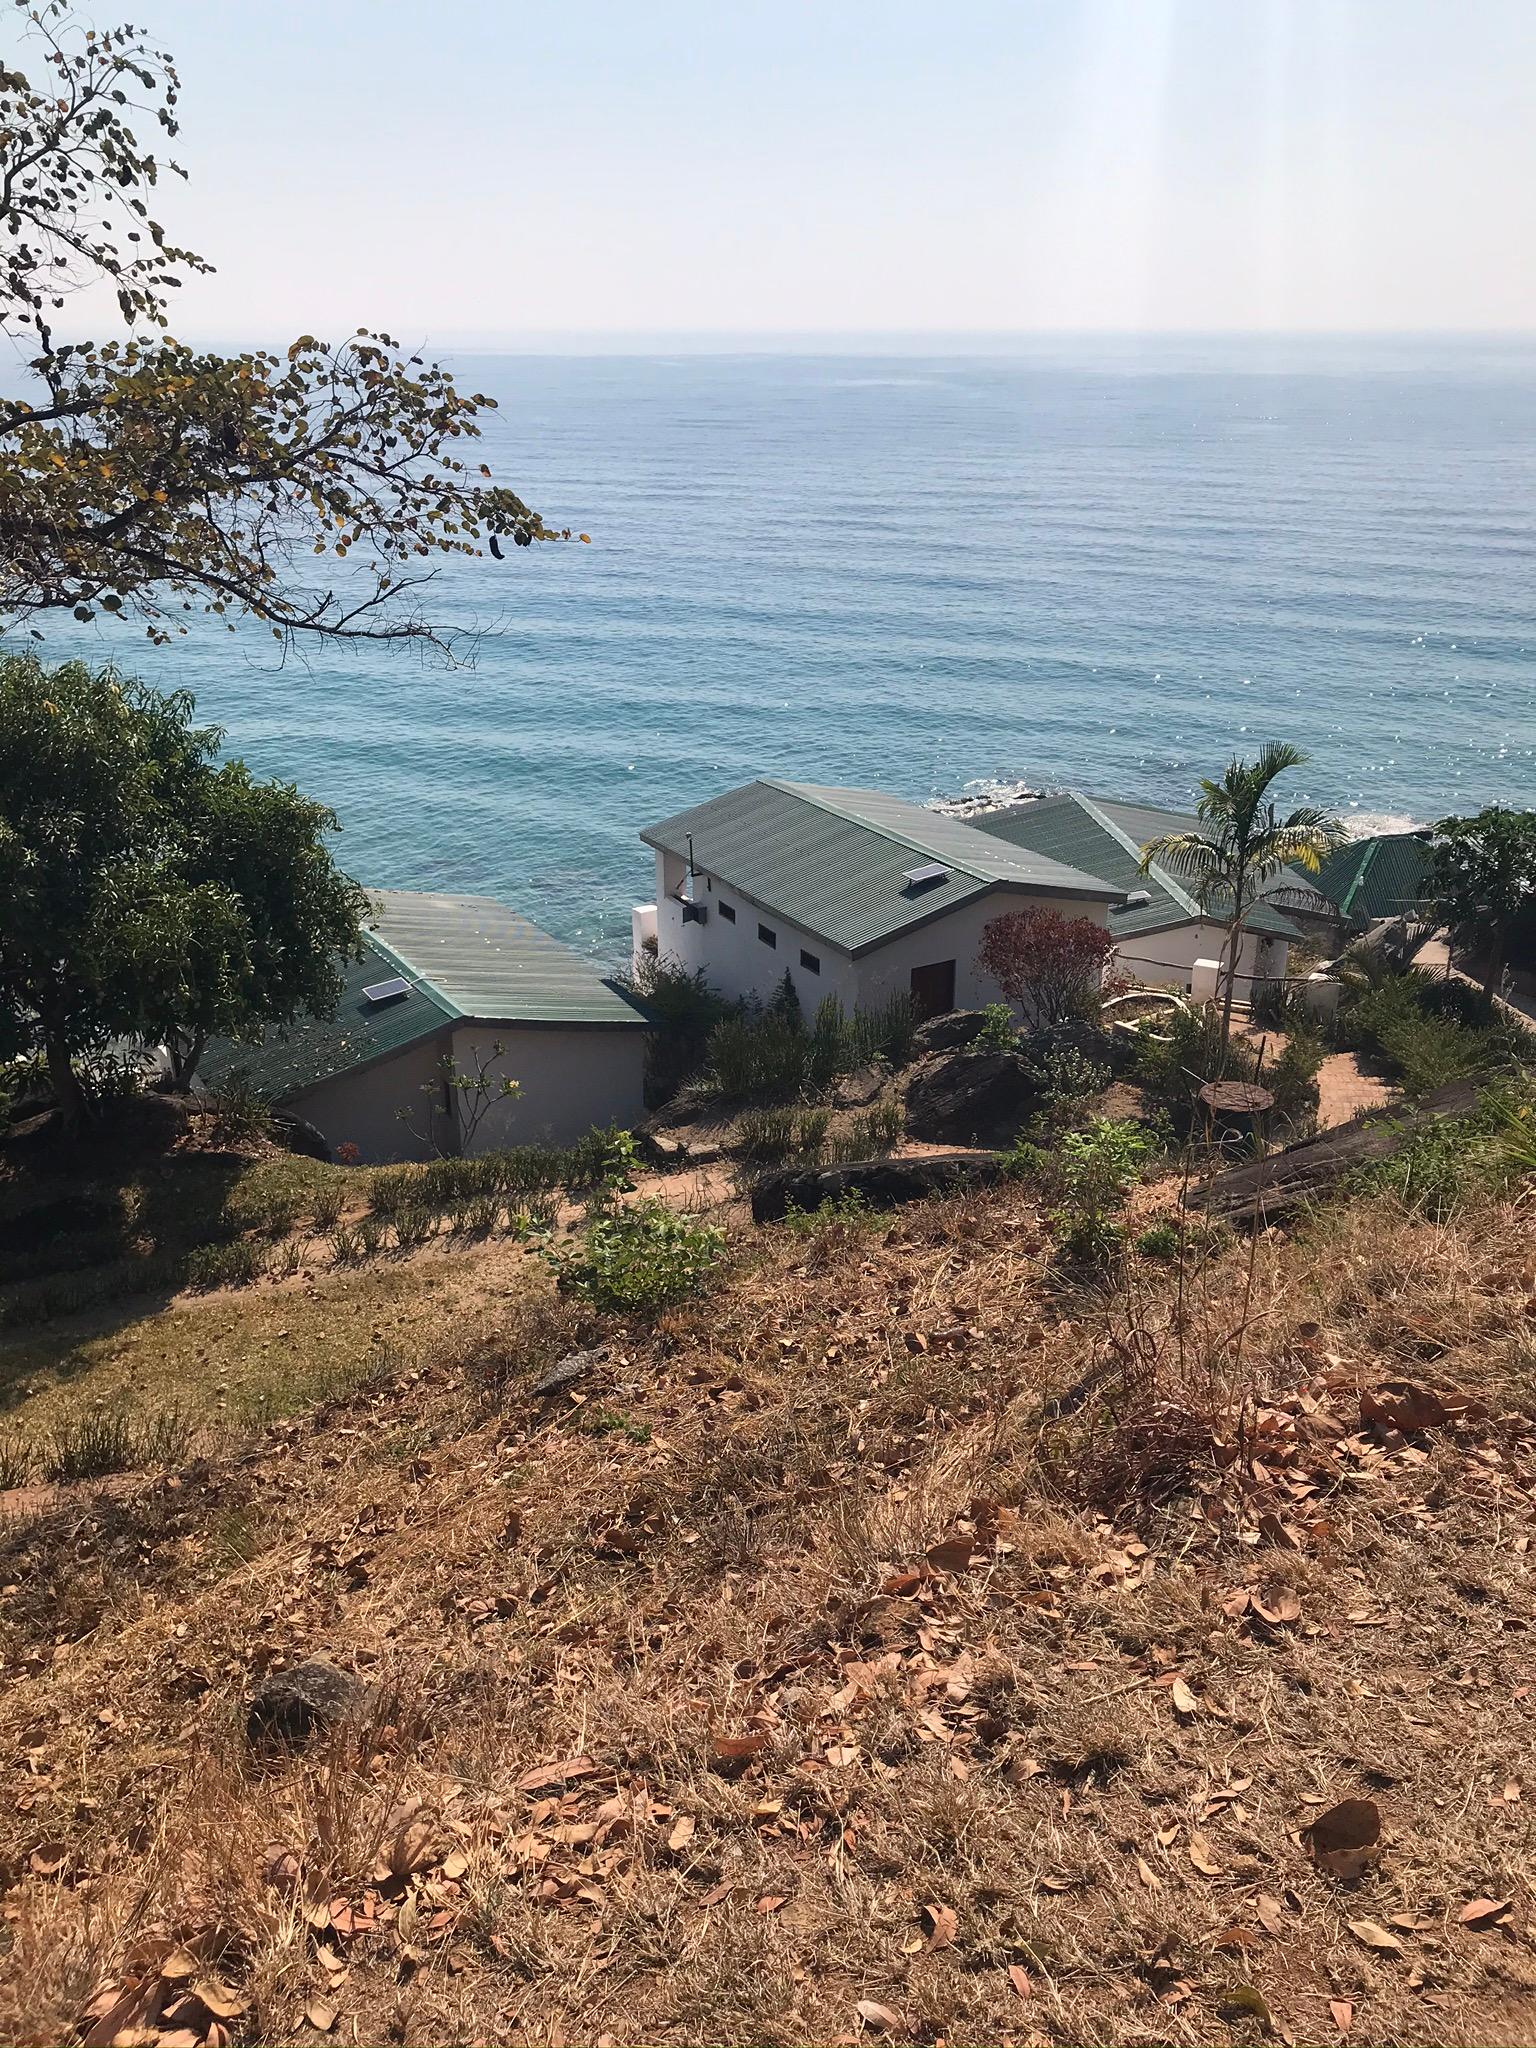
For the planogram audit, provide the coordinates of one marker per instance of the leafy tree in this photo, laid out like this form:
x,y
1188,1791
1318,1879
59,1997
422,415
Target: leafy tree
x,y
144,478
148,892
1051,966
1483,881
1244,843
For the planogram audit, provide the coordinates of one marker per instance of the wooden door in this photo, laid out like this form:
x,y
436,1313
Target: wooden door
x,y
933,988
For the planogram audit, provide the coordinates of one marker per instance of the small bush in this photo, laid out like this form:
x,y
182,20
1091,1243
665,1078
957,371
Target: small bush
x,y
885,1032
606,1158
325,1208
999,1031
683,1010
393,1188
1024,1161
1092,1173
767,1135
15,1460
414,1225
848,1210
811,1128
1067,1076
346,1246
235,1264
1159,1241
288,1258
535,1215
640,1260
236,1112
370,1235
90,1442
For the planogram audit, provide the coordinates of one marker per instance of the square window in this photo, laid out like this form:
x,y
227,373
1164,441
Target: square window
x,y
728,913
768,936
809,962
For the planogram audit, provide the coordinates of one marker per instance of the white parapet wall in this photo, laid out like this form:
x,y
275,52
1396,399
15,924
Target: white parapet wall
x,y
642,930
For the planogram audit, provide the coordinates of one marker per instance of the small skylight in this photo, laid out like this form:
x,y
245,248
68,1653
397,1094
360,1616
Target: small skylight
x,y
926,877
387,991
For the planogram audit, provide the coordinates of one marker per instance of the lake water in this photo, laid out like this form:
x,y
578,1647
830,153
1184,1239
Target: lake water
x,y
1112,565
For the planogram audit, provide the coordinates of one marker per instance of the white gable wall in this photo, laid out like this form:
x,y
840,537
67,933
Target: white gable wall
x,y
734,959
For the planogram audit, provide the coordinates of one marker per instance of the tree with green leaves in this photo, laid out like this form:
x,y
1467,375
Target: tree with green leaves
x,y
1244,843
1482,880
151,893
146,480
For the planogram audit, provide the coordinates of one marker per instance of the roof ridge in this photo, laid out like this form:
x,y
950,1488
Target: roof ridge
x,y
1372,848
1175,889
801,791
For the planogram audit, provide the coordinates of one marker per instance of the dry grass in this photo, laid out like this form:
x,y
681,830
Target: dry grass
x,y
854,1627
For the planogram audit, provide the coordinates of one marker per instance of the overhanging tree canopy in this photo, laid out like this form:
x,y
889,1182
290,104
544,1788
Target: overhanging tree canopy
x,y
145,479
150,893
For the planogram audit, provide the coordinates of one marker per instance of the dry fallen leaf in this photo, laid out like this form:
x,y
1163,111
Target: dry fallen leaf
x,y
682,1831
1148,1875
1184,1701
879,2017
1343,2014
455,1865
943,1925
48,1859
1203,1857
1277,1606
952,1555
1484,1912
1343,1841
1018,1977
556,1774
320,2016
179,1965
1375,1937
737,1748
1269,1912
770,1902
222,2000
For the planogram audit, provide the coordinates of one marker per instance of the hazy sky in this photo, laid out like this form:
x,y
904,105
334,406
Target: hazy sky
x,y
477,172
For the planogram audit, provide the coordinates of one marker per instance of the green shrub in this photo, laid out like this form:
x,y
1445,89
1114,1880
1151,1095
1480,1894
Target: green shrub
x,y
847,1211
767,1136
1067,1075
607,1158
235,1264
683,1010
326,1206
885,1032
536,1214
1090,1177
393,1188
1159,1241
1024,1161
15,1459
414,1225
639,1260
236,1111
346,1246
90,1442
811,1128
999,1031
370,1235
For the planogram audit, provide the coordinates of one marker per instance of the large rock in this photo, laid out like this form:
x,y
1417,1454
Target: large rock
x,y
291,1707
860,1088
970,1098
948,1033
1109,1049
884,1183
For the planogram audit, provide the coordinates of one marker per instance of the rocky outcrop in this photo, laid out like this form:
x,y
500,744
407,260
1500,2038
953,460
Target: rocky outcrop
x,y
884,1183
970,1098
956,1028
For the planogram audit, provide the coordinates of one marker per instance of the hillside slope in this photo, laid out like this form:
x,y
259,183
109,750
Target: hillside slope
x,y
891,1643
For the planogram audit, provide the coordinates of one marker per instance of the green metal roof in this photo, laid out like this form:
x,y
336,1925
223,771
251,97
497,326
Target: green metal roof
x,y
1106,835
834,861
1378,877
314,1049
487,963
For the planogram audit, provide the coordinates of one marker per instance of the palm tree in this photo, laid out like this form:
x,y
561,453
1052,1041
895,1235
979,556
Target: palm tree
x,y
1244,843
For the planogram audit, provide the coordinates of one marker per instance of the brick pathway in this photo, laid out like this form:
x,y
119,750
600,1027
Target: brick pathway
x,y
1345,1088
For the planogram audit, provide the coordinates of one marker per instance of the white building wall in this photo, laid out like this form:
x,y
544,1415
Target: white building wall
x,y
570,1079
363,1108
1166,959
733,958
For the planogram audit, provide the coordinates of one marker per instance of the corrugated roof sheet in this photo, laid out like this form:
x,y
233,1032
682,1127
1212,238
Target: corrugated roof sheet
x,y
1141,822
833,861
1090,830
314,1049
490,964
1378,877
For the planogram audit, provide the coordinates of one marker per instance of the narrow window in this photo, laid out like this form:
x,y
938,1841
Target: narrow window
x,y
809,962
728,913
768,937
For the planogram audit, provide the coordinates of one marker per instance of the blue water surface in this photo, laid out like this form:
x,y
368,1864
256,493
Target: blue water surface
x,y
1107,564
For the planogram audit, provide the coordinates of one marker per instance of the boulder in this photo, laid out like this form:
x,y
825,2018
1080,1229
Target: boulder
x,y
859,1089
970,1098
291,1707
884,1183
948,1033
573,1367
1109,1049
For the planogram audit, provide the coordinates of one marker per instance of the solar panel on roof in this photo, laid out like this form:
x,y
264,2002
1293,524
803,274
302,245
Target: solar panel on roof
x,y
924,877
387,991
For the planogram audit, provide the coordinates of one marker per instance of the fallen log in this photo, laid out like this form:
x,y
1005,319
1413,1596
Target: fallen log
x,y
884,1183
1267,1189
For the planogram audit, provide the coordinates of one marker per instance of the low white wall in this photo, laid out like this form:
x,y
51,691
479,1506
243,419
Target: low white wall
x,y
569,1079
1166,959
362,1108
